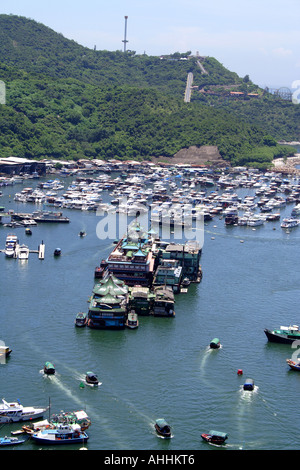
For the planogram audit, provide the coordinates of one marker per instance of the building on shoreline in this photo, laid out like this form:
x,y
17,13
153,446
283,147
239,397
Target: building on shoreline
x,y
16,166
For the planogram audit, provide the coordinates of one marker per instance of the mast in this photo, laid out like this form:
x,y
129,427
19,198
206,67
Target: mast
x,y
125,34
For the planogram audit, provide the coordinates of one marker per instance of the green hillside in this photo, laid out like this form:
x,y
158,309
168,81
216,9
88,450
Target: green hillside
x,y
66,101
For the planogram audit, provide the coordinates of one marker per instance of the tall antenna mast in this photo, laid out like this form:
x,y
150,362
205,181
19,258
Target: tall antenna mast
x,y
125,34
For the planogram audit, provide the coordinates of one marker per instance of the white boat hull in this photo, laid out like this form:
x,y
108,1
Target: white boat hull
x,y
14,412
5,419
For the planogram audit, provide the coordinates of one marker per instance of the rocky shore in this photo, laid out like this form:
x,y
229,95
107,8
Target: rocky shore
x,y
288,165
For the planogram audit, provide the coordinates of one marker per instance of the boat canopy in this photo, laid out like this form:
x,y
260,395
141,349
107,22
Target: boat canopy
x,y
224,435
215,340
91,374
161,422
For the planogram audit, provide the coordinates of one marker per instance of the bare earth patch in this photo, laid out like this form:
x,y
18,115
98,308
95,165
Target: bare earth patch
x,y
203,156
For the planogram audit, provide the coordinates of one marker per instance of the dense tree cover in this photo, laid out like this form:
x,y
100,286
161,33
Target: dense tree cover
x,y
66,101
277,117
71,120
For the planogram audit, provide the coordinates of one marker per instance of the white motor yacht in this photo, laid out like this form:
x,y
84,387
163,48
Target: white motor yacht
x,y
14,412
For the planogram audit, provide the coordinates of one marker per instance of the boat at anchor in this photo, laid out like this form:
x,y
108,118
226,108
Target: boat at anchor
x,y
10,441
14,412
81,319
293,365
11,245
283,335
61,434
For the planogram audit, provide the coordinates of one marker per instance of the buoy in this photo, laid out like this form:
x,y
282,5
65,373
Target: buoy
x,y
240,372
81,385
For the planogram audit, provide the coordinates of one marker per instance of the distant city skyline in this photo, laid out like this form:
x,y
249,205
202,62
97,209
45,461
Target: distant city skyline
x,y
259,39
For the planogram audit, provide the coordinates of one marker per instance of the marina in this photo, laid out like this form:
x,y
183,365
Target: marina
x,y
166,366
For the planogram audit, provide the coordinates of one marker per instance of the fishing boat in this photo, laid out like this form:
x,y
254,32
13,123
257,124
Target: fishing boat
x,y
49,368
60,434
132,320
14,412
91,379
284,334
162,428
215,437
10,441
293,365
70,417
81,319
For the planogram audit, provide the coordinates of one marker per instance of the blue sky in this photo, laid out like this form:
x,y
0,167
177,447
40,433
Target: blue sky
x,y
258,38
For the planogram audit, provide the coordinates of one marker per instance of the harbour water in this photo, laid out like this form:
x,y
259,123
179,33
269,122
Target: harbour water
x,y
164,368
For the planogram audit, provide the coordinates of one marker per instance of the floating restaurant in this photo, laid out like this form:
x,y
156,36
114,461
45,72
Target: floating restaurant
x,y
108,304
141,274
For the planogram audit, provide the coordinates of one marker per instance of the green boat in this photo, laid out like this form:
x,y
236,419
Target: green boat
x,y
49,368
215,343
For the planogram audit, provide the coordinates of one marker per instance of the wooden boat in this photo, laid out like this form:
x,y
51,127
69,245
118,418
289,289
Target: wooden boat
x,y
215,437
81,319
91,378
162,428
132,320
249,384
215,343
293,365
10,441
283,335
49,368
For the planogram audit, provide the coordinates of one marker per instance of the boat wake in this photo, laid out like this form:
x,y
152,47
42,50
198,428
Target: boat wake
x,y
248,395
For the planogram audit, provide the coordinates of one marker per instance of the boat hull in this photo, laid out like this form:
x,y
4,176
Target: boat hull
x,y
166,434
61,441
10,441
19,418
274,337
213,439
293,365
